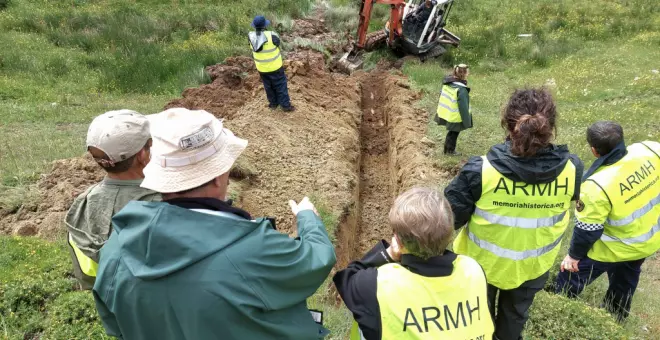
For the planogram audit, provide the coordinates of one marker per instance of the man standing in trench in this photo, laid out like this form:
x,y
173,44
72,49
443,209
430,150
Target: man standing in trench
x,y
617,218
268,60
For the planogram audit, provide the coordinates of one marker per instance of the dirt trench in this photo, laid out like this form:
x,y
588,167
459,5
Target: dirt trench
x,y
354,143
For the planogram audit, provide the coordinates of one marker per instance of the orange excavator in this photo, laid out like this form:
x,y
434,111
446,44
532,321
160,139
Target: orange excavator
x,y
415,27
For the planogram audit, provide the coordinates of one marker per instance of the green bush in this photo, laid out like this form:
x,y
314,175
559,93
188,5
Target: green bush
x,y
556,317
73,316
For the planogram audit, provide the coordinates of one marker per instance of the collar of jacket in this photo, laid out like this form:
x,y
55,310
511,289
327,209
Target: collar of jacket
x,y
436,266
452,79
612,157
209,204
122,182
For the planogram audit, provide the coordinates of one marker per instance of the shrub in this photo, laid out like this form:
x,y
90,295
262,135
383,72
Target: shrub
x,y
73,316
558,317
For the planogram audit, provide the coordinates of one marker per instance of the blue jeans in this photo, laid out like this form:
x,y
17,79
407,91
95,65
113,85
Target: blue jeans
x,y
276,88
623,277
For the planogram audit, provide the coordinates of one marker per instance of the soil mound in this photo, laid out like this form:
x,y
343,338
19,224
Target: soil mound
x,y
233,83
57,190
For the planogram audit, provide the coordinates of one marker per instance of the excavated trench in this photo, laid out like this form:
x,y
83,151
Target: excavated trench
x,y
366,223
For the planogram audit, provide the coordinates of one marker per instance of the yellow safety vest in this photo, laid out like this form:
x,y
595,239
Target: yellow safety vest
x,y
418,307
516,228
448,104
88,266
632,228
269,59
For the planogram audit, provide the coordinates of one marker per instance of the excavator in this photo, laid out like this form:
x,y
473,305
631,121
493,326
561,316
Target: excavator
x,y
415,27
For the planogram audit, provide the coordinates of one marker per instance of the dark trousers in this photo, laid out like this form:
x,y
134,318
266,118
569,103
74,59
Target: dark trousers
x,y
511,312
450,141
623,277
276,88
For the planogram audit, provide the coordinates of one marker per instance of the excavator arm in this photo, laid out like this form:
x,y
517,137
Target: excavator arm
x,y
351,60
395,22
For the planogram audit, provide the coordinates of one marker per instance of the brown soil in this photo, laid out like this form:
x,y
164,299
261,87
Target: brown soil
x,y
57,189
353,143
375,193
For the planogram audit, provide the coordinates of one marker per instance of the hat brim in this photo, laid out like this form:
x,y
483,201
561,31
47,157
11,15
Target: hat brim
x,y
265,25
176,179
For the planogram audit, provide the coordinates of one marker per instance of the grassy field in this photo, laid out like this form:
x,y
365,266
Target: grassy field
x,y
64,62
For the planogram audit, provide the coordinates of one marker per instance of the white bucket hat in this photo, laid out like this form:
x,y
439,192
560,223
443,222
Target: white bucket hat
x,y
190,148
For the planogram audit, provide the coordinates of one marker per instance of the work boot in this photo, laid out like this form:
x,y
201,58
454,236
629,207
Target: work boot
x,y
453,153
289,109
272,107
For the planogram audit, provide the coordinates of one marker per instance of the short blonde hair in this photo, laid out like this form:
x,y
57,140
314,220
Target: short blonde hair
x,y
423,221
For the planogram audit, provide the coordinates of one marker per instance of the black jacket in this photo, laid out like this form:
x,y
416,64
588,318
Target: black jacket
x,y
465,190
357,283
463,106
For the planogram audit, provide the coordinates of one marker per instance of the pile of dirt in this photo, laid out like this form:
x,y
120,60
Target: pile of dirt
x,y
233,83
57,190
312,151
410,149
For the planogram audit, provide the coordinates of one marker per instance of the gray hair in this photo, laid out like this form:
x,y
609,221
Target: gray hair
x,y
423,220
604,136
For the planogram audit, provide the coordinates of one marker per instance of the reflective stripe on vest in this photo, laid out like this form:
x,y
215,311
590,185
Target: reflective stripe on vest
x,y
632,228
418,307
356,332
269,59
516,229
448,105
87,265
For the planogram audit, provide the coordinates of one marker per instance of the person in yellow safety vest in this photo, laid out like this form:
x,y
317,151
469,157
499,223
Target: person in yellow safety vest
x,y
414,288
268,60
515,202
119,142
617,218
454,107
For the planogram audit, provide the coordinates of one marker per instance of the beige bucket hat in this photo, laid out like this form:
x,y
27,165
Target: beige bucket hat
x,y
190,148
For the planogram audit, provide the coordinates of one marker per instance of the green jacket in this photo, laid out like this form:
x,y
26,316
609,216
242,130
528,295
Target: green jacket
x,y
88,220
463,107
169,272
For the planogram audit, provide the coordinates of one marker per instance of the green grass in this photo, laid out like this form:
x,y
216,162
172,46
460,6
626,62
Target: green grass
x,y
597,58
65,62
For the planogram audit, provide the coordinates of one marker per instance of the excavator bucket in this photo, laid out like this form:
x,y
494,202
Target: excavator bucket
x,y
350,62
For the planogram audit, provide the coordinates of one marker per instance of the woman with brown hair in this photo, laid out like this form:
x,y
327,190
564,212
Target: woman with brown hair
x,y
514,205
454,106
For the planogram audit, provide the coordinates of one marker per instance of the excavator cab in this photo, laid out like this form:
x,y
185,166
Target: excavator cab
x,y
415,27
424,32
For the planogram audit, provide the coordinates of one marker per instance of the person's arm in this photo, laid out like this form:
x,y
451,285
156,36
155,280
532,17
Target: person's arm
x,y
357,287
276,39
464,191
579,170
283,271
101,292
464,107
590,215
107,318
